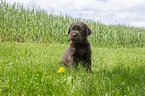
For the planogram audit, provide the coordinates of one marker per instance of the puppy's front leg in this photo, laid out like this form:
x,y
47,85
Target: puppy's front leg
x,y
88,63
72,63
89,66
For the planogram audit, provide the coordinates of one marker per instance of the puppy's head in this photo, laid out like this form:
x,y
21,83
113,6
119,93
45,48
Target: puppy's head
x,y
79,31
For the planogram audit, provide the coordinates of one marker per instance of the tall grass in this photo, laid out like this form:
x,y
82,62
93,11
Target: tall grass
x,y
36,25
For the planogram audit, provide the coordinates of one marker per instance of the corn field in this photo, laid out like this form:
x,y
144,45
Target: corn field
x,y
20,24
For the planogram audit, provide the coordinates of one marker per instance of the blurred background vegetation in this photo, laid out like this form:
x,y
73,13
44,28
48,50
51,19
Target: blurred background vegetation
x,y
20,24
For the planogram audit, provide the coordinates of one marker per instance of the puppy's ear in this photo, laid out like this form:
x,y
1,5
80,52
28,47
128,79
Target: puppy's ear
x,y
88,30
70,28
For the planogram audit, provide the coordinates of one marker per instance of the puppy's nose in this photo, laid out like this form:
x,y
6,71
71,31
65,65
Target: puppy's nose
x,y
74,35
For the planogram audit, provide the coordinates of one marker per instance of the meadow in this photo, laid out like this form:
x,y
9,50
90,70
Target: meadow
x,y
31,69
33,41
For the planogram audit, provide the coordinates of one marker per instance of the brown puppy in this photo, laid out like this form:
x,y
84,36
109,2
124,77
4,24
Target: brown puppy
x,y
79,50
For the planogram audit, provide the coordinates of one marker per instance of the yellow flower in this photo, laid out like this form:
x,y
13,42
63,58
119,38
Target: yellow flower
x,y
61,70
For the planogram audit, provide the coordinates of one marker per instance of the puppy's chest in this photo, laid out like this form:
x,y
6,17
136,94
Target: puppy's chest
x,y
78,52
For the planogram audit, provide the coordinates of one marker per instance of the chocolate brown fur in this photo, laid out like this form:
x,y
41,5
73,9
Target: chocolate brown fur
x,y
79,50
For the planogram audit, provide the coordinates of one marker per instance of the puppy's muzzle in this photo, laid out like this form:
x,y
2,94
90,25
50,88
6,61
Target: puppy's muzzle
x,y
75,36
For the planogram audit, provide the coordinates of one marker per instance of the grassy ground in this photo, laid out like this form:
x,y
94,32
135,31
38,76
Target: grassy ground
x,y
31,69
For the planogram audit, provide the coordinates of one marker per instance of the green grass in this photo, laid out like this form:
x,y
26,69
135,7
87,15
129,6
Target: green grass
x,y
31,69
19,24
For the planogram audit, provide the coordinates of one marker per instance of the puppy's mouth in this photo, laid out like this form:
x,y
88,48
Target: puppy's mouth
x,y
75,39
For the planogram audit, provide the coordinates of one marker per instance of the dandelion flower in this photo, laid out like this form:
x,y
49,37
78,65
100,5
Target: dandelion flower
x,y
61,70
